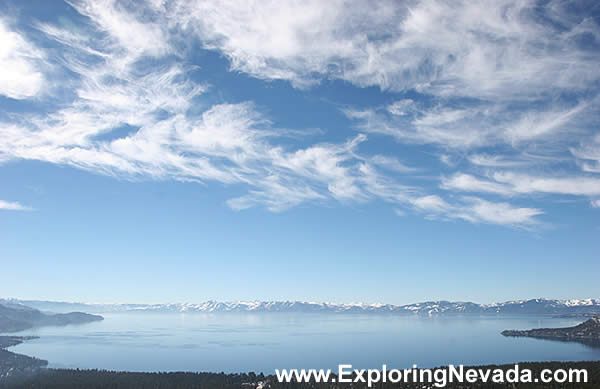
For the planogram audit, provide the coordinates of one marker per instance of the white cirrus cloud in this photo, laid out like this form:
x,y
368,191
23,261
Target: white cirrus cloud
x,y
483,124
431,203
469,183
491,49
490,76
570,185
134,121
128,26
538,124
20,76
512,184
13,206
498,161
588,154
477,210
496,73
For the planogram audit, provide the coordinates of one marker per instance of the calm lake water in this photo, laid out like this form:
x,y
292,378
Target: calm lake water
x,y
264,342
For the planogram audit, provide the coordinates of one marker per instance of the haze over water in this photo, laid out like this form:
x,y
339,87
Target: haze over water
x,y
238,342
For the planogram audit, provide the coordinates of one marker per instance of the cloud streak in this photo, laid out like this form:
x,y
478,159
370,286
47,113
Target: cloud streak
x,y
13,206
511,184
477,210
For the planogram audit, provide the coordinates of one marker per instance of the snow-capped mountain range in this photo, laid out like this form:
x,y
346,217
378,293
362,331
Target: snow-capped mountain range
x,y
430,308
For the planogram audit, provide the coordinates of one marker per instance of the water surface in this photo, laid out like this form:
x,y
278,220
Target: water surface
x,y
266,341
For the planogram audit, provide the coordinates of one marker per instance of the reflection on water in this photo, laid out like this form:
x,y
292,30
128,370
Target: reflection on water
x,y
264,342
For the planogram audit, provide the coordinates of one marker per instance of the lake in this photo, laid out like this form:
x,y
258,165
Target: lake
x,y
262,342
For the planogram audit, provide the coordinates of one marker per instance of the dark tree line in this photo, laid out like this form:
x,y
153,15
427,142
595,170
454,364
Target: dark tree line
x,y
99,379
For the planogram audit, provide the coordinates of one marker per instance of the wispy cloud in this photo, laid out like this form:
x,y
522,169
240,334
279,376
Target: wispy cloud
x,y
227,143
477,210
13,206
482,124
20,76
469,183
538,124
498,161
525,183
495,73
588,154
511,184
491,49
129,27
490,78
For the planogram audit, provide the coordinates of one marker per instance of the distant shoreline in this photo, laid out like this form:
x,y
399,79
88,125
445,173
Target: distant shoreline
x,y
10,341
587,332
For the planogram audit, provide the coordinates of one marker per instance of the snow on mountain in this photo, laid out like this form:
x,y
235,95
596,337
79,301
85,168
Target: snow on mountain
x,y
429,308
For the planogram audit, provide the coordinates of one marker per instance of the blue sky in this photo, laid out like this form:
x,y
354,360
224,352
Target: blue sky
x,y
339,151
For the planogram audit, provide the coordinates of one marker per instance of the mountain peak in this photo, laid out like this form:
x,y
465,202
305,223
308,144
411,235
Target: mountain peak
x,y
427,308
